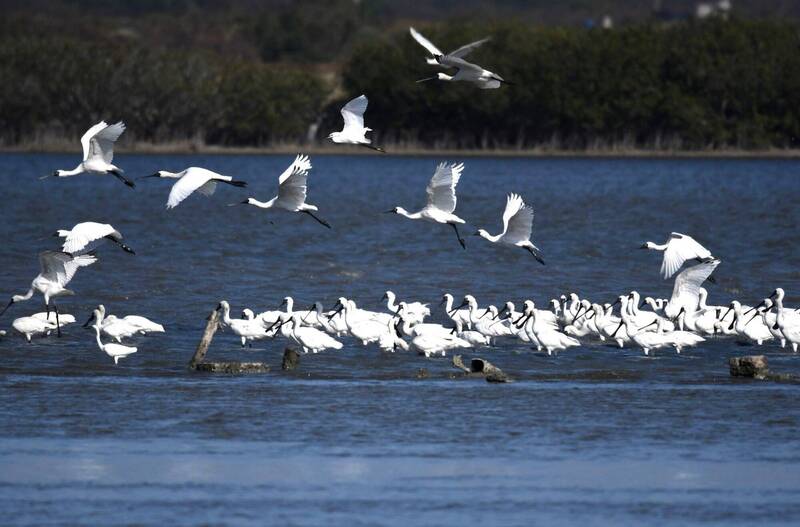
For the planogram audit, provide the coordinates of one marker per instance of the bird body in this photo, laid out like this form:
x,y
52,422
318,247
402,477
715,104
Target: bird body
x,y
459,316
517,225
678,249
36,325
115,351
246,329
309,339
354,132
193,179
88,236
98,152
686,289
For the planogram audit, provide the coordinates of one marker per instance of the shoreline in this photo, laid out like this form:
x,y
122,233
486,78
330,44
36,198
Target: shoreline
x,y
318,149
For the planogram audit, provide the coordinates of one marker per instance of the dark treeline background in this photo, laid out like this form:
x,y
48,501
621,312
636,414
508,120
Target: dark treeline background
x,y
247,73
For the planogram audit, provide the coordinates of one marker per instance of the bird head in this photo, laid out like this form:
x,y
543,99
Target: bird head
x,y
647,245
396,210
61,233
481,232
57,173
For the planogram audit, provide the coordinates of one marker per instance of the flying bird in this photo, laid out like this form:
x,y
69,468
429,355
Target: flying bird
x,y
441,199
677,250
465,71
292,190
98,152
87,236
517,225
354,131
193,179
686,289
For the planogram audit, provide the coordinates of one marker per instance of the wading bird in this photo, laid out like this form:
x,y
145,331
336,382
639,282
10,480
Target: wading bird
x,y
98,152
292,191
677,250
354,132
115,351
441,199
39,324
517,225
193,179
57,269
87,236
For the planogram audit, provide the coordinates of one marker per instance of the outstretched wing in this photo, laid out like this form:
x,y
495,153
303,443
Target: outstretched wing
x,y
193,179
353,112
101,144
442,187
87,136
84,236
686,290
465,50
61,267
449,61
301,163
679,249
517,220
292,190
424,42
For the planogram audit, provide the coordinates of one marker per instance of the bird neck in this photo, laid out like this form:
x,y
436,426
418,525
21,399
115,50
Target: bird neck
x,y
655,247
262,204
226,314
445,77
390,298
171,175
97,336
403,212
74,172
485,235
26,296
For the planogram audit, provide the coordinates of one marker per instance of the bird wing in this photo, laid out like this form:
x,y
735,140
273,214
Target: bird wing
x,y
353,112
61,267
208,188
465,50
101,143
679,249
192,180
292,191
517,220
301,163
686,290
442,187
82,236
424,42
450,61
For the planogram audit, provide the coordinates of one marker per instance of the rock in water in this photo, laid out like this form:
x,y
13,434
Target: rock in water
x,y
753,366
458,363
290,359
422,373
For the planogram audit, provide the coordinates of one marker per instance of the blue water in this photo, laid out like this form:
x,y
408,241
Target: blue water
x,y
594,436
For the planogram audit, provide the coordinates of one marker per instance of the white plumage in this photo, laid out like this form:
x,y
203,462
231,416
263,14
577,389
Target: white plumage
x,y
87,236
193,179
677,250
98,152
517,226
354,132
461,52
686,289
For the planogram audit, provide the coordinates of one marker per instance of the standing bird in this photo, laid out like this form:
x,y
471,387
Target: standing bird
x,y
87,236
194,178
441,199
354,132
57,269
466,71
517,225
677,250
98,152
116,351
292,190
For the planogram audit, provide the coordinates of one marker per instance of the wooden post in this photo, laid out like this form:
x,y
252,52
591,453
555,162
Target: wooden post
x,y
208,334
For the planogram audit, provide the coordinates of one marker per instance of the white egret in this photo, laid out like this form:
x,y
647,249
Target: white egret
x,y
193,179
354,132
98,152
441,199
677,250
292,191
87,236
517,225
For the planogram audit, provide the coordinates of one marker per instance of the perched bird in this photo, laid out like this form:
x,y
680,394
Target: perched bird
x,y
194,179
517,225
677,250
115,351
88,236
686,289
354,132
57,269
98,152
466,71
441,199
292,190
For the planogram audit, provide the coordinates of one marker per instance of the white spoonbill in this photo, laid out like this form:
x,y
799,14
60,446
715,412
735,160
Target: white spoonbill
x,y
309,339
460,53
57,269
113,350
193,179
441,199
414,312
292,191
242,327
88,236
365,330
686,289
517,225
36,325
354,132
98,152
551,339
459,316
677,250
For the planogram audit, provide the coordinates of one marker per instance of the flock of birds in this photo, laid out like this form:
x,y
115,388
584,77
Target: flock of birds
x,y
682,321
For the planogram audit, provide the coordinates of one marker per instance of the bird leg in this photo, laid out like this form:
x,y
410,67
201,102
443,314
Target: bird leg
x,y
460,239
122,178
376,148
325,223
122,245
58,323
535,255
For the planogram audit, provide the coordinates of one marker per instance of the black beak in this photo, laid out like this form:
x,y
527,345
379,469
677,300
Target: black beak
x,y
459,306
384,297
151,175
86,325
7,306
776,326
617,330
520,322
500,313
476,233
444,300
643,246
484,313
762,303
726,313
617,301
426,79
397,330
388,211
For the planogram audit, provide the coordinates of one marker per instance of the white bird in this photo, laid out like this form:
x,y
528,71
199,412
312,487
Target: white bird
x,y
459,316
432,344
116,351
466,71
363,329
414,312
354,132
677,250
309,339
88,236
517,225
292,191
98,152
57,269
686,289
787,321
36,325
441,199
552,340
246,329
113,327
753,330
193,179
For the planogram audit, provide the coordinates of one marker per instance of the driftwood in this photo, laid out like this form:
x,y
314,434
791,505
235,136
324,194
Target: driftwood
x,y
198,360
205,342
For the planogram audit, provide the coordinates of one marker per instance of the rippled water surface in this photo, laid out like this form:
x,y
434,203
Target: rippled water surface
x,y
594,436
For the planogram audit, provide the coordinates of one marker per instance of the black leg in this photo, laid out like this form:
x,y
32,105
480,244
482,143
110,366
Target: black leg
x,y
122,178
121,245
535,255
325,223
376,148
58,322
460,239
